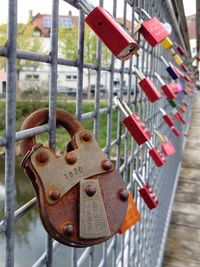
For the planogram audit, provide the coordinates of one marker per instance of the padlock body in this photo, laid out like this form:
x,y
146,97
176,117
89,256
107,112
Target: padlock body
x,y
168,120
180,50
179,117
176,132
157,157
187,78
150,90
172,73
184,67
178,60
111,33
153,31
168,91
172,103
138,131
174,88
150,201
168,148
167,43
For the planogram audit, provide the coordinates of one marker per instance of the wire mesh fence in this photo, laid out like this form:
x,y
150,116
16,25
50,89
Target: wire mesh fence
x,y
143,244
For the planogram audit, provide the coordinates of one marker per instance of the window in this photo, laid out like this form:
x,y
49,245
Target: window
x,y
47,22
65,22
75,77
68,77
28,76
36,76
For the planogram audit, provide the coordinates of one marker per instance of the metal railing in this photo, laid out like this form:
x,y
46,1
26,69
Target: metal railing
x,y
143,244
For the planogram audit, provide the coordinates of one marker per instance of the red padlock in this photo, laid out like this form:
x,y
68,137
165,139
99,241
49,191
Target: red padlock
x,y
167,146
178,116
174,88
157,157
176,132
146,192
133,123
179,49
184,67
165,87
148,87
114,36
153,31
167,118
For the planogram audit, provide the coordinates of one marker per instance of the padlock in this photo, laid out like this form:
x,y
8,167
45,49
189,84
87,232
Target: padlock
x,y
139,132
132,215
183,66
174,87
167,146
82,198
153,31
172,103
178,116
170,69
148,87
178,60
166,117
167,43
146,192
176,132
114,36
133,123
187,78
179,49
165,87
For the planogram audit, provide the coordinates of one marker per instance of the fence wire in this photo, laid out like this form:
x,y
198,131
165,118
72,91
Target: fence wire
x,y
143,244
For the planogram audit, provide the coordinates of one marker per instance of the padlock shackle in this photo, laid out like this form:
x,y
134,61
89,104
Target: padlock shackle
x,y
120,106
138,178
164,61
139,73
149,144
159,78
138,9
163,111
126,107
162,138
85,5
40,117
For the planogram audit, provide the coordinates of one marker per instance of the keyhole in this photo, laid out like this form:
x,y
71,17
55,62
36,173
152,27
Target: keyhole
x,y
100,23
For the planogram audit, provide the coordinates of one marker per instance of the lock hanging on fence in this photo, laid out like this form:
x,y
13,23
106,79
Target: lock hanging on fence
x,y
153,31
113,35
139,132
167,43
167,146
82,198
146,191
166,117
179,49
165,87
147,86
170,69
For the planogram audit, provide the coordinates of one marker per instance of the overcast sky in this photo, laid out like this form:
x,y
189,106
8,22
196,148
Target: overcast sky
x,y
44,6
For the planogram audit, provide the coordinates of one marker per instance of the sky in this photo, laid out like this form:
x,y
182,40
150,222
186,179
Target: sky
x,y
44,6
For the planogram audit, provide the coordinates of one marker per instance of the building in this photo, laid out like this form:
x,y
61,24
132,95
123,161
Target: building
x,y
191,23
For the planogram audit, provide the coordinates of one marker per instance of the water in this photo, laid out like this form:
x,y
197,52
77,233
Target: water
x,y
30,237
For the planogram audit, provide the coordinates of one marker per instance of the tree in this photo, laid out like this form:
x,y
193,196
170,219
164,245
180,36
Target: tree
x,y
68,44
26,40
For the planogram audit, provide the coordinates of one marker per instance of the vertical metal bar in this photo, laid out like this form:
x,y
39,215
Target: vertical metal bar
x,y
52,101
10,130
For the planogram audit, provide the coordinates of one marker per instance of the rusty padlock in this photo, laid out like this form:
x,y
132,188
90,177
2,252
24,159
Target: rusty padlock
x,y
114,36
82,198
153,31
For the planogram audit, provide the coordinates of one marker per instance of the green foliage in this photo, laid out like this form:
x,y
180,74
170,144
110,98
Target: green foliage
x,y
26,40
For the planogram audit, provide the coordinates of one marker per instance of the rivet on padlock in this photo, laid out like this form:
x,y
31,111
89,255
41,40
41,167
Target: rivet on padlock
x,y
167,43
153,31
114,36
166,117
133,123
148,87
167,146
170,69
146,191
165,87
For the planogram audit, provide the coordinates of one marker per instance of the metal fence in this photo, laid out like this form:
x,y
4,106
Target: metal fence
x,y
142,245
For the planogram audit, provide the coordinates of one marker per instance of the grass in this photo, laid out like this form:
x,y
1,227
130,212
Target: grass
x,y
24,108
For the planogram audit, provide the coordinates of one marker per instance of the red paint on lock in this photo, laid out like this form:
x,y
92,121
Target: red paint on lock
x,y
168,148
137,129
168,91
157,157
111,33
150,90
168,120
149,196
153,31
